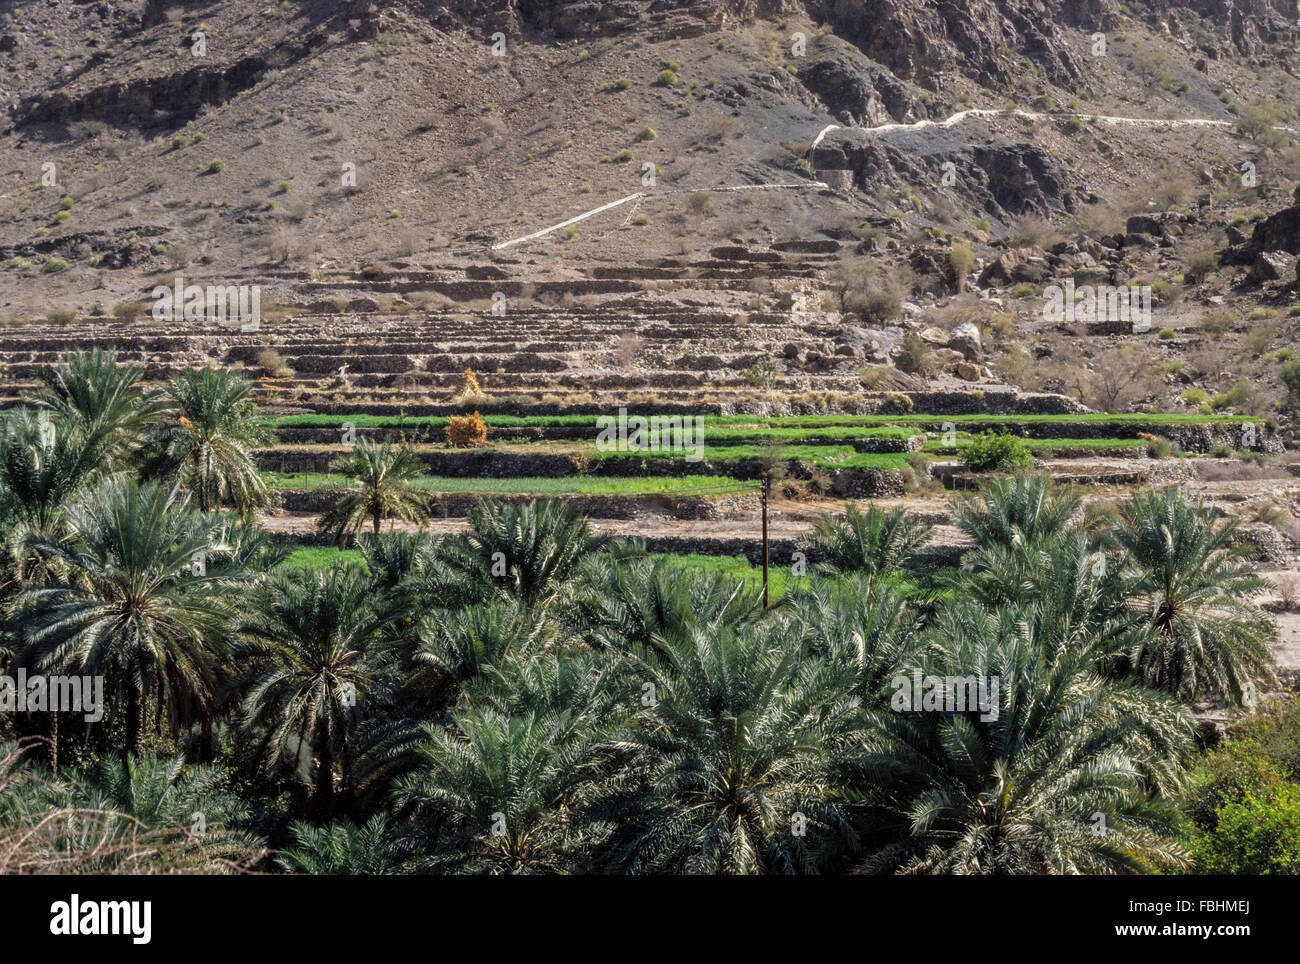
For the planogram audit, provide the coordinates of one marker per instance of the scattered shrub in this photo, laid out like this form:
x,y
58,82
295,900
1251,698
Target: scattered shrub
x,y
129,312
1216,322
467,389
1201,264
464,431
961,259
273,363
914,356
699,202
1289,376
876,305
1159,447
992,452
762,373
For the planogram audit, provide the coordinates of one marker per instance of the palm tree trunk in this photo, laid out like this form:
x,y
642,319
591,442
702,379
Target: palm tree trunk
x,y
347,771
135,723
54,742
766,489
324,770
378,518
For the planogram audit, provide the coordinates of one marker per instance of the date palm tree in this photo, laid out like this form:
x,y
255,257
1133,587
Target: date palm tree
x,y
208,440
530,552
149,815
1062,772
384,476
634,602
493,794
304,639
726,766
1193,590
45,463
450,647
138,606
342,848
862,625
95,393
874,542
1025,507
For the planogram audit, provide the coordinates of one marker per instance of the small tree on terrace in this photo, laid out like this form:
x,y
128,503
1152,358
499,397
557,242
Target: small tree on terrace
x,y
385,477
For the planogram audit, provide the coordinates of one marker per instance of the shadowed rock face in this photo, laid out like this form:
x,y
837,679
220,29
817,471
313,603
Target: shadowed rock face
x,y
916,39
1279,232
858,91
1002,178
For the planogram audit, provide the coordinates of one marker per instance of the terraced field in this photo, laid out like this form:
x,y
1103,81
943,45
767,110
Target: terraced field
x,y
828,458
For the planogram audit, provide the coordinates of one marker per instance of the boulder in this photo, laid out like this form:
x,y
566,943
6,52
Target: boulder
x,y
933,336
1138,240
1144,224
876,343
1270,266
999,271
965,338
967,371
1279,232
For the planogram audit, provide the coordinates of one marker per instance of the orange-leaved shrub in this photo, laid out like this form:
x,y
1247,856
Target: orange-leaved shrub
x,y
466,430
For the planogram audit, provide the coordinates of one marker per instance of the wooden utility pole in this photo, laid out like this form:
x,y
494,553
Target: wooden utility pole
x,y
767,487
772,468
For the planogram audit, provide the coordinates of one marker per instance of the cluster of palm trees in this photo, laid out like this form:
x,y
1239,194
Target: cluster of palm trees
x,y
531,697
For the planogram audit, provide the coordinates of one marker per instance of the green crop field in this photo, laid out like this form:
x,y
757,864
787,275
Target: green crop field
x,y
565,485
1049,444
755,421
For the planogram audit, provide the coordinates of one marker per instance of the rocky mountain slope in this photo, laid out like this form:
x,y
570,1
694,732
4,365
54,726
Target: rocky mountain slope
x,y
953,153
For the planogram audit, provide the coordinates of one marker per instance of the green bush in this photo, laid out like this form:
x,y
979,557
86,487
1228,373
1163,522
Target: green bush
x,y
875,306
914,356
1159,447
217,166
1259,834
1200,264
1197,398
1289,376
992,452
762,373
1243,800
